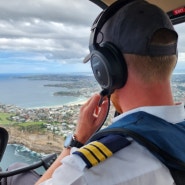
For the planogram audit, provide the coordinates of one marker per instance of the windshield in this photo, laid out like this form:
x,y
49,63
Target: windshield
x,y
180,28
43,80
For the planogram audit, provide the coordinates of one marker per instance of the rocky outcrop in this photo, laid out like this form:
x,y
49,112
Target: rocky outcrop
x,y
40,142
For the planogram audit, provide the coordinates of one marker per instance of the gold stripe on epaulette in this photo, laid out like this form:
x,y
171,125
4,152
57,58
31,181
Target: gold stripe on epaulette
x,y
103,148
95,152
88,156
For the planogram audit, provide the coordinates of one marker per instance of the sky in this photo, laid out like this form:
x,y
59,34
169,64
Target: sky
x,y
49,36
41,36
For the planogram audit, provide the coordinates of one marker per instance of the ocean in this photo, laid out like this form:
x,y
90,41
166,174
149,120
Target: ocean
x,y
34,91
26,92
18,153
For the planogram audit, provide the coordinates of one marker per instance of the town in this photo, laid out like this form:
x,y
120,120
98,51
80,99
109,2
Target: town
x,y
58,121
42,130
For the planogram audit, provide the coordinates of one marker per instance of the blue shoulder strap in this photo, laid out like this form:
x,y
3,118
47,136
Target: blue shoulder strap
x,y
165,140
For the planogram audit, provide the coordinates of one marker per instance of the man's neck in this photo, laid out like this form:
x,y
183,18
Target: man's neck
x,y
154,95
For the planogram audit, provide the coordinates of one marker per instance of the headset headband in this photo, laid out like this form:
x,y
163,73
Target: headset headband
x,y
102,18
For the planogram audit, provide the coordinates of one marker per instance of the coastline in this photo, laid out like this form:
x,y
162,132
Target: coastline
x,y
42,141
80,102
56,122
63,116
45,91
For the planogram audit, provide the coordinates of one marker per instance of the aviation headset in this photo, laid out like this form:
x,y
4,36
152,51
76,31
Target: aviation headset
x,y
107,61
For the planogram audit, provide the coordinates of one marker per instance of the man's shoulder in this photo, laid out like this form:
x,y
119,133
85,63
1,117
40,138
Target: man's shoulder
x,y
134,161
101,149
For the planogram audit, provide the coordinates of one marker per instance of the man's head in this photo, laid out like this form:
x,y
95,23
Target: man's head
x,y
133,26
146,37
133,29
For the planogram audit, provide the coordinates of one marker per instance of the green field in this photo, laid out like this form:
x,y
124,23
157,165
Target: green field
x,y
3,118
29,126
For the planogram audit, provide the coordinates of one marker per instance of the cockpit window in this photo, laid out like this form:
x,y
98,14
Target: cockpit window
x,y
180,28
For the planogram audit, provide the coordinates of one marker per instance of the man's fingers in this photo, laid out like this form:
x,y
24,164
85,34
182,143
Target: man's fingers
x,y
102,111
92,105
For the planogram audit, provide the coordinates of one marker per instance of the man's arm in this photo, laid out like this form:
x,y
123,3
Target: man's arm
x,y
90,119
56,164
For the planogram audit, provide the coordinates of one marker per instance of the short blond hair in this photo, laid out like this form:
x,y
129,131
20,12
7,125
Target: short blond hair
x,y
152,69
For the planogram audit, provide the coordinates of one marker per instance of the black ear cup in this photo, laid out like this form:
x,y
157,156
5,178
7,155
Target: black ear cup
x,y
109,67
107,61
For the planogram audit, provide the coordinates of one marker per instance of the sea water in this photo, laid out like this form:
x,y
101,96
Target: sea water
x,y
27,93
18,153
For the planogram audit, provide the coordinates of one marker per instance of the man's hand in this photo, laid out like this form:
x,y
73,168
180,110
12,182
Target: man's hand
x,y
90,118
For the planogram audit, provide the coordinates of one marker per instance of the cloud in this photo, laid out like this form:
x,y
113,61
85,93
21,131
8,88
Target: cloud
x,y
181,57
70,12
180,28
56,30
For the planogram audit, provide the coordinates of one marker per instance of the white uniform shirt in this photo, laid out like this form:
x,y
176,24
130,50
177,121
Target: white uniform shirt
x,y
132,165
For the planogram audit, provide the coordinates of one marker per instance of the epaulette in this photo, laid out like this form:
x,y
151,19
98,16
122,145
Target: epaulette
x,y
101,149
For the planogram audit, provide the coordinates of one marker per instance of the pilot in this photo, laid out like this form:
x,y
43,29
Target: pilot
x,y
133,51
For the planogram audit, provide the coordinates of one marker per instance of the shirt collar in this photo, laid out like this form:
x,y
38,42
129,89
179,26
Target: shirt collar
x,y
172,114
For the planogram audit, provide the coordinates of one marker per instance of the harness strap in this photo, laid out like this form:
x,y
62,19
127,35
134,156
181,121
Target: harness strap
x,y
177,174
